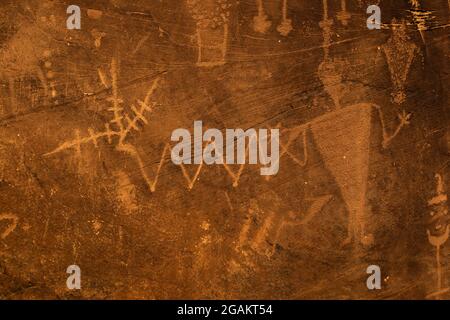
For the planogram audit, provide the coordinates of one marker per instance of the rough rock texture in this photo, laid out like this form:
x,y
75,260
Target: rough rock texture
x,y
85,171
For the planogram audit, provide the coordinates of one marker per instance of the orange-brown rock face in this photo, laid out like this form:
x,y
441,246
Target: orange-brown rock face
x,y
93,205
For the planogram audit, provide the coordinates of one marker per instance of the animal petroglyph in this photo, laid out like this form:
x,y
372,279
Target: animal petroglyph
x,y
400,52
295,220
265,237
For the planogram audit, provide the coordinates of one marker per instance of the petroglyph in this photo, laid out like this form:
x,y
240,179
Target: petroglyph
x,y
330,70
261,230
256,215
400,53
330,73
344,16
285,26
293,134
439,231
96,137
261,23
212,21
11,227
122,125
352,176
235,175
421,17
291,220
326,25
362,124
25,56
404,120
348,158
126,193
49,81
98,36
